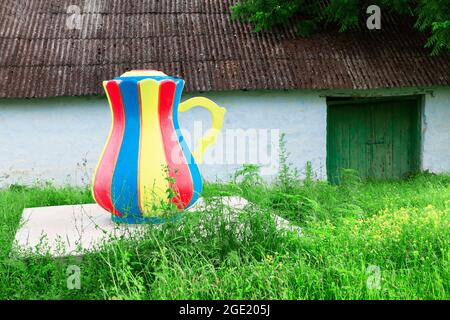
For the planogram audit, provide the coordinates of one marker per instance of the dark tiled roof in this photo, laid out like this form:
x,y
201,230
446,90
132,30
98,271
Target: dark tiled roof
x,y
196,39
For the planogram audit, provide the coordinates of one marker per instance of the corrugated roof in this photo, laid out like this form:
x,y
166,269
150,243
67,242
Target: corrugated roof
x,y
196,39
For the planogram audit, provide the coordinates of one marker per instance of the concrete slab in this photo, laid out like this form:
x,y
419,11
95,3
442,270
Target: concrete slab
x,y
75,229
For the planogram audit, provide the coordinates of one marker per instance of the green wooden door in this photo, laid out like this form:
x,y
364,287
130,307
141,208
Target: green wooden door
x,y
378,138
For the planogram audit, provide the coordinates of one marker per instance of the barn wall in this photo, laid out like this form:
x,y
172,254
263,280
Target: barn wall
x,y
436,131
60,139
301,116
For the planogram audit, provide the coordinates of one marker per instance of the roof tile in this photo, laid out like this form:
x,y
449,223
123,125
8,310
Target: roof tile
x,y
197,40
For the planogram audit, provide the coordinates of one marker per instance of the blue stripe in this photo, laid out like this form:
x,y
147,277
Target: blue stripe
x,y
124,188
195,173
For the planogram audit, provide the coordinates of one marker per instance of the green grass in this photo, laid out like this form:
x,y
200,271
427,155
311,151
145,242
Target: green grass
x,y
401,228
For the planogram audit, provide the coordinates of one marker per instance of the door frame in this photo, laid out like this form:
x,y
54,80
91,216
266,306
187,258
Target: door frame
x,y
419,99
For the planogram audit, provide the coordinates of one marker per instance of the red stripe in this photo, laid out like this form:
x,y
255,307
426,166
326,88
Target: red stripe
x,y
176,162
105,171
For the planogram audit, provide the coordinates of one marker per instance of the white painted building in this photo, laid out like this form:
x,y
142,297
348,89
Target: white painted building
x,y
54,119
60,139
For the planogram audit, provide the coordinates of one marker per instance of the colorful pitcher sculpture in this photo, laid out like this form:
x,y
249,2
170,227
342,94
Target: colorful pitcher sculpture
x,y
146,162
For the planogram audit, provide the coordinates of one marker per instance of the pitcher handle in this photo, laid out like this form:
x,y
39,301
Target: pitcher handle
x,y
217,116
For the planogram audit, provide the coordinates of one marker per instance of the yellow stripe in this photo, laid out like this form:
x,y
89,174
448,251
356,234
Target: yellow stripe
x,y
107,140
137,73
152,160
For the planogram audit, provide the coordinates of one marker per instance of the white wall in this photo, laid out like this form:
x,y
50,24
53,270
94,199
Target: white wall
x,y
301,115
48,139
436,131
51,139
60,139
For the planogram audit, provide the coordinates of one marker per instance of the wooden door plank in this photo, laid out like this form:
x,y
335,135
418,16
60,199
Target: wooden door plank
x,y
379,139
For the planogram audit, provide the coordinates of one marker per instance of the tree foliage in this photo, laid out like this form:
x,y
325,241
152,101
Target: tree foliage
x,y
432,16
